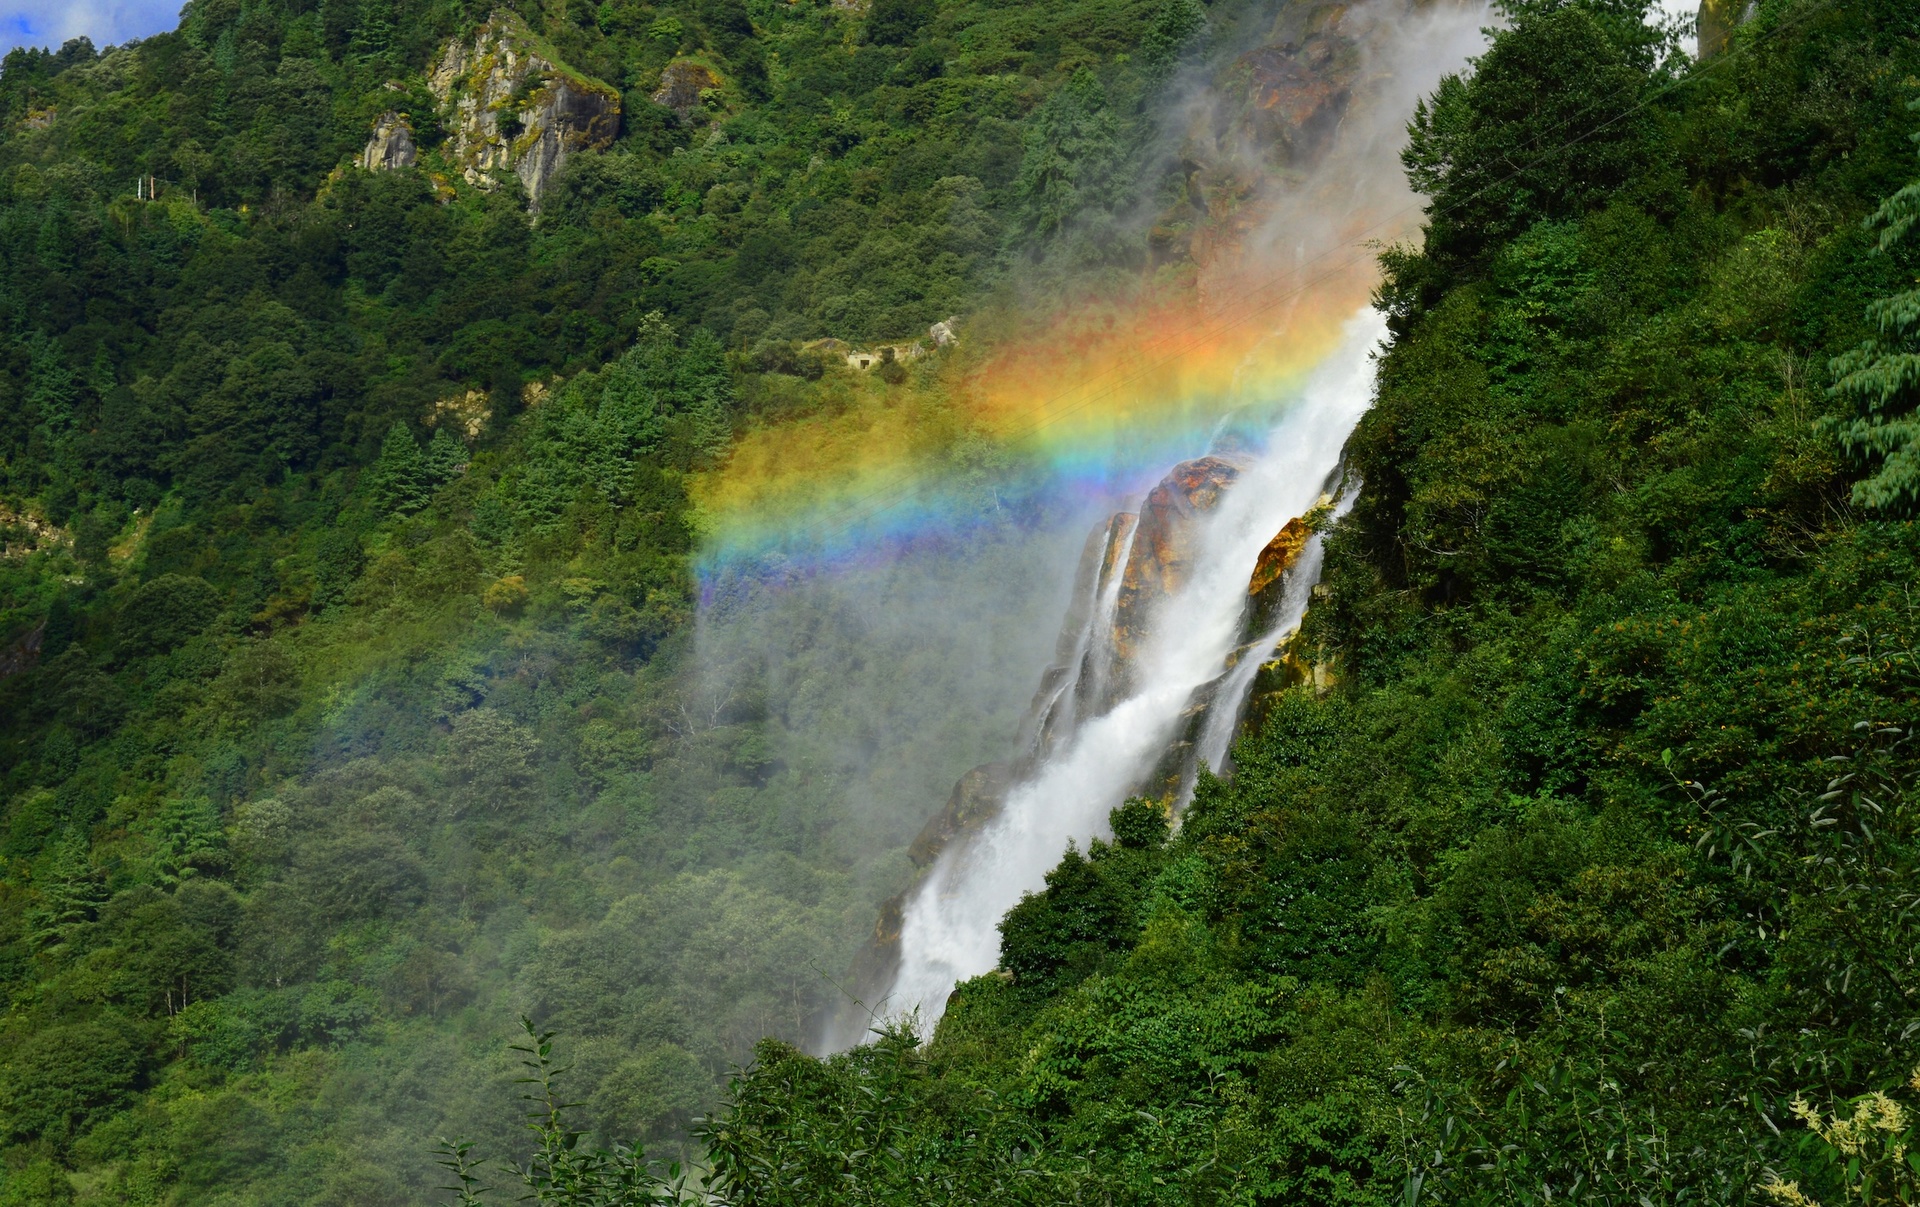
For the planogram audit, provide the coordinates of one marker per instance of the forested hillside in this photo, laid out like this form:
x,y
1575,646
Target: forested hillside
x,y
345,709
345,701
1591,876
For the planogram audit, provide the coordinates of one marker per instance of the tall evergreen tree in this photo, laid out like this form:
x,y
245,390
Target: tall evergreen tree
x,y
1882,373
446,457
398,481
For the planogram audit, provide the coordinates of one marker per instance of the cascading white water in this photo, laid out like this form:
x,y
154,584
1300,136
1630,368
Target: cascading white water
x,y
949,928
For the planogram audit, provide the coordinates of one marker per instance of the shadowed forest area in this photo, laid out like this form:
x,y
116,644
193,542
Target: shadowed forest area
x,y
346,706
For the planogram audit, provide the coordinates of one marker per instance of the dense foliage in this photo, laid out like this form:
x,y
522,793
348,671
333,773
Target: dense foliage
x,y
345,705
332,743
1592,876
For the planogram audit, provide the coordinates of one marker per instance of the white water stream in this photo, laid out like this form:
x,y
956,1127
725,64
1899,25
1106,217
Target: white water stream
x,y
950,925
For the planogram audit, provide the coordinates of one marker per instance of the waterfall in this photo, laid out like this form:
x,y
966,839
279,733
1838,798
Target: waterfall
x,y
1136,666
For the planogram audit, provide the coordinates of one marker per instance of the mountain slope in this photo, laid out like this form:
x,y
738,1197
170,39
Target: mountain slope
x,y
345,703
1598,852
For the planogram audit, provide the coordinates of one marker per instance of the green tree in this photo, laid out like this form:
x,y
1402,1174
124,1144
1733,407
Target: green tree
x,y
1880,377
564,1170
57,1081
896,22
446,458
399,481
1072,156
165,612
1548,125
337,559
71,892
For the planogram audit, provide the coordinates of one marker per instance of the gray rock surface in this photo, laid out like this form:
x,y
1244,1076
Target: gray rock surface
x,y
508,107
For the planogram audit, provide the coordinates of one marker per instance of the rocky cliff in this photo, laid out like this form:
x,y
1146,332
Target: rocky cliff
x,y
391,145
508,105
1163,548
1131,564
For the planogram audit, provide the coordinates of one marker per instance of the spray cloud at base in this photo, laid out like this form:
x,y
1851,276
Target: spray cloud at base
x,y
882,581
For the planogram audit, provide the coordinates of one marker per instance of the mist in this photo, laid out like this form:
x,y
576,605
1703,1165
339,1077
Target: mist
x,y
878,680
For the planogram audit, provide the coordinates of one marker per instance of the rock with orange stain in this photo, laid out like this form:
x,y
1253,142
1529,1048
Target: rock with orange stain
x,y
1164,546
1295,93
1268,584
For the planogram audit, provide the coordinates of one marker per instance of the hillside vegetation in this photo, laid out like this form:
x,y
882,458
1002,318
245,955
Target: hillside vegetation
x,y
1593,877
346,597
345,698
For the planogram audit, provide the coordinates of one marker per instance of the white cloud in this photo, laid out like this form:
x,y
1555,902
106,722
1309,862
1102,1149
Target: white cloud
x,y
108,22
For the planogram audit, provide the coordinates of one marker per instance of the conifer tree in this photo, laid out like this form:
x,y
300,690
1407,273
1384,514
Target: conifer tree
x,y
71,892
446,457
398,481
1882,373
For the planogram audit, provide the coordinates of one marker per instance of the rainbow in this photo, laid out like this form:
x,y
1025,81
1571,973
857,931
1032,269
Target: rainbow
x,y
1089,410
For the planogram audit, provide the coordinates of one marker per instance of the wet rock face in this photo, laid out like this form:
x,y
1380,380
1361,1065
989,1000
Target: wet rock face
x,y
1265,587
1295,94
507,108
1163,544
976,799
681,85
1274,112
390,146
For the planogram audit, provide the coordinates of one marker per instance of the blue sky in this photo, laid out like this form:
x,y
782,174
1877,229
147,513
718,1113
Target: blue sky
x,y
108,22
111,22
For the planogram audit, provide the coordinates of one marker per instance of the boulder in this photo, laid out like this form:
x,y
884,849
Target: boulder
x,y
1269,580
1163,545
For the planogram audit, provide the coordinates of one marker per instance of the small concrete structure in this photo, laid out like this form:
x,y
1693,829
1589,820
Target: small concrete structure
x,y
899,353
942,335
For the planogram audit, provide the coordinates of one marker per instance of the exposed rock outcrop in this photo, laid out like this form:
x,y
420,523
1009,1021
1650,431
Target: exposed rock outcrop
x,y
508,106
1265,589
1162,554
681,85
1272,117
1717,21
466,414
22,652
390,146
1080,681
976,798
1295,93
